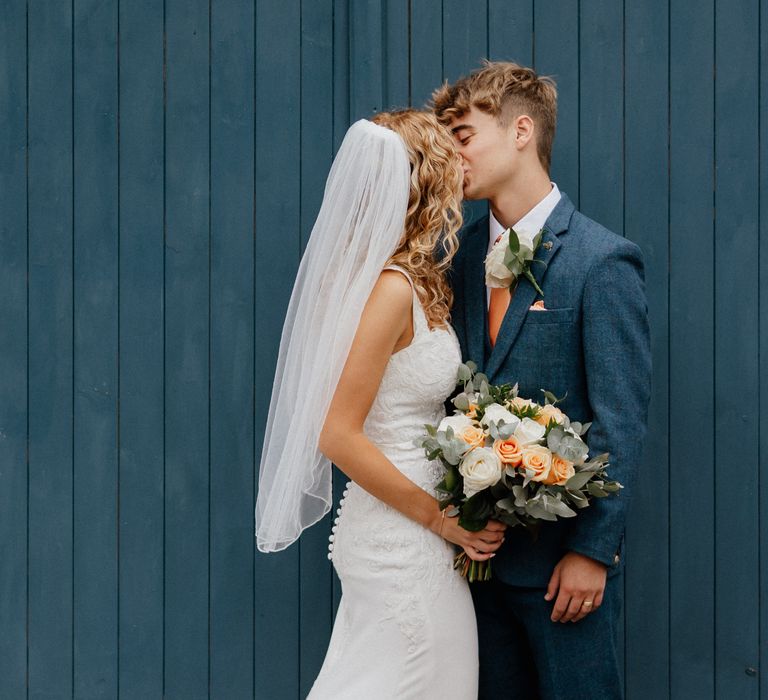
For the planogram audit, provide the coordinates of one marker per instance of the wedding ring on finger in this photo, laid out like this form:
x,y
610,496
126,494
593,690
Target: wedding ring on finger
x,y
587,604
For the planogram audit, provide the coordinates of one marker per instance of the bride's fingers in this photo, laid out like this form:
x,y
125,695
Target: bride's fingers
x,y
491,537
476,554
496,526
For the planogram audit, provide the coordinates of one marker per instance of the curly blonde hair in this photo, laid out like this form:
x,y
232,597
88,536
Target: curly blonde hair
x,y
434,208
504,90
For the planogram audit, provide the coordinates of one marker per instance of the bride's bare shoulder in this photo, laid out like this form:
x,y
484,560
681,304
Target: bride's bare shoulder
x,y
393,288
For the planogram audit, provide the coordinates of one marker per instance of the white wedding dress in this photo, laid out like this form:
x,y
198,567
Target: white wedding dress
x,y
405,627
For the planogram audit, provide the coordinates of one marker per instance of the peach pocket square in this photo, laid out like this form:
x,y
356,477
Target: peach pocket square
x,y
537,306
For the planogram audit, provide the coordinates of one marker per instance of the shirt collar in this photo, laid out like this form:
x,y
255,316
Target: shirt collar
x,y
531,223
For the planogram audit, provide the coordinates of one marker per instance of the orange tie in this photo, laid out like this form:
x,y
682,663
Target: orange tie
x,y
500,298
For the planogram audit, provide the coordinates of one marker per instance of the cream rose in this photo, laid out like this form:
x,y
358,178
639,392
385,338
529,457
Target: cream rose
x,y
529,431
497,413
457,421
538,460
497,274
508,451
480,468
560,472
549,412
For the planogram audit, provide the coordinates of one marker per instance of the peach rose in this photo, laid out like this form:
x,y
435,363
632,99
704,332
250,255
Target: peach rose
x,y
508,451
538,460
519,402
472,412
560,472
473,436
549,412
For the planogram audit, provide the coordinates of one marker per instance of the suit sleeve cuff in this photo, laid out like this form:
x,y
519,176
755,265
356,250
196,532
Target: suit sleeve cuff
x,y
610,558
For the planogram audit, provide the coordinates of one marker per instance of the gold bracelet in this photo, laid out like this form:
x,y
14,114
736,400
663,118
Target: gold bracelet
x,y
442,520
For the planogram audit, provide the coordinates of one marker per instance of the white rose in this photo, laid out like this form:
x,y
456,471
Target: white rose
x,y
529,431
457,421
481,468
525,238
497,274
497,413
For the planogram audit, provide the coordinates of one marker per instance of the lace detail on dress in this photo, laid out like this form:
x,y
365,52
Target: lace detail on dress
x,y
368,534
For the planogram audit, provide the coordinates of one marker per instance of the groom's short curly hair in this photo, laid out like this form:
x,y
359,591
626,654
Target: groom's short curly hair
x,y
504,90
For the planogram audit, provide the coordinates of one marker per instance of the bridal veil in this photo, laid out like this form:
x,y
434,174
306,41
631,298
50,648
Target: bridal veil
x,y
360,224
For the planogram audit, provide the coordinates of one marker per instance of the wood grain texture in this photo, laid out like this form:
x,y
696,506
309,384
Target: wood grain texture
x,y
161,167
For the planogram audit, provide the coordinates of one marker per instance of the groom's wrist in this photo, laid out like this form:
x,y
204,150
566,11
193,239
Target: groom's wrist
x,y
607,560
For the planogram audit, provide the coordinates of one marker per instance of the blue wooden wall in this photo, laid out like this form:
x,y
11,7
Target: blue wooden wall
x,y
161,164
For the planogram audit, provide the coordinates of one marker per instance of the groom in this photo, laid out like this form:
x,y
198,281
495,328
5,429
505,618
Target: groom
x,y
548,621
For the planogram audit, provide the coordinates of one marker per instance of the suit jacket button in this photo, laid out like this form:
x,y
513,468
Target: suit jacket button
x,y
615,559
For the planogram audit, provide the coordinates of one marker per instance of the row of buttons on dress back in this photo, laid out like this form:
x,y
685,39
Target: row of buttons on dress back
x,y
332,536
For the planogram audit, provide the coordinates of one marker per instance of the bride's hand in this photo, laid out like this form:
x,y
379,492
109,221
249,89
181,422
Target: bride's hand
x,y
479,546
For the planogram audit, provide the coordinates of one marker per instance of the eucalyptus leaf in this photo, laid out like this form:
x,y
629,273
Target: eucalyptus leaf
x,y
461,402
506,431
538,511
595,490
554,438
578,480
561,509
506,504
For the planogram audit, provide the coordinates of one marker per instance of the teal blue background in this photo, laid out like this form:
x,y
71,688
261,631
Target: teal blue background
x,y
161,164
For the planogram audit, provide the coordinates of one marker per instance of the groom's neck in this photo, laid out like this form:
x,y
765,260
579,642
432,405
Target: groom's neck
x,y
519,196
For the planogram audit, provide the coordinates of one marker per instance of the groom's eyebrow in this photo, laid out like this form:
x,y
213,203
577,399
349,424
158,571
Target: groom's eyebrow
x,y
457,129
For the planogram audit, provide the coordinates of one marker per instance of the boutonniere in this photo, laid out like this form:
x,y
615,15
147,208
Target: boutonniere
x,y
511,257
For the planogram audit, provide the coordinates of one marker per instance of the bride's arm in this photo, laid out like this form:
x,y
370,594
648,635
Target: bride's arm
x,y
385,319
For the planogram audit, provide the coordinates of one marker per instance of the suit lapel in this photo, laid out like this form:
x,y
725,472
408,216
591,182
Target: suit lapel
x,y
475,319
525,294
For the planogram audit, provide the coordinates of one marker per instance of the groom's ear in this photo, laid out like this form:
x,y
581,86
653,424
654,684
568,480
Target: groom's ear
x,y
523,130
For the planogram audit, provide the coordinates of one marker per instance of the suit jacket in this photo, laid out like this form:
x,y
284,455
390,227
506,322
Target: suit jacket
x,y
592,342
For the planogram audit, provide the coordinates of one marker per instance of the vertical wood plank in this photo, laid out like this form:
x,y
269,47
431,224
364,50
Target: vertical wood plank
x,y
187,339
510,30
50,351
95,348
397,54
232,400
366,59
316,578
736,346
557,55
465,37
601,95
13,349
141,323
691,352
763,340
426,50
277,251
646,212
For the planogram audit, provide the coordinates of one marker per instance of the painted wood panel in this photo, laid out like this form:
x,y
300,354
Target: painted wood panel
x,y
161,165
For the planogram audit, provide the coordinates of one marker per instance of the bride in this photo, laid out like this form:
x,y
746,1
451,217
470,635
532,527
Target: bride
x,y
367,357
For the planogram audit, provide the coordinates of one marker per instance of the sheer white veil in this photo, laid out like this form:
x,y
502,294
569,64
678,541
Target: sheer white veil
x,y
361,222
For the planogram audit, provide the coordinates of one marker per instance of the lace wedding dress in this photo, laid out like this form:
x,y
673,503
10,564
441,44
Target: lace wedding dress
x,y
405,627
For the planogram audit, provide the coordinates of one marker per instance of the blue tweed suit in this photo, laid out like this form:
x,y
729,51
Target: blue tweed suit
x,y
593,343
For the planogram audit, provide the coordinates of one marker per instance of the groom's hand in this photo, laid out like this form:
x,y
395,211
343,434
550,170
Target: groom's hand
x,y
580,582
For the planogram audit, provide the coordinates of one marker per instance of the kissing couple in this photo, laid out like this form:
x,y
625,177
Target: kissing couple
x,y
391,296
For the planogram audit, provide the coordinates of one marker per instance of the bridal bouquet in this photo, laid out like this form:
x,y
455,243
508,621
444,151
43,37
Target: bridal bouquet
x,y
511,459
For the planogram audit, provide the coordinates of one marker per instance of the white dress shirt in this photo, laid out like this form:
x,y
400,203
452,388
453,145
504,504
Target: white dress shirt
x,y
531,223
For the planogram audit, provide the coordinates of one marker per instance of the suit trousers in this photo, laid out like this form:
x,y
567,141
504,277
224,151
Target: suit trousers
x,y
526,656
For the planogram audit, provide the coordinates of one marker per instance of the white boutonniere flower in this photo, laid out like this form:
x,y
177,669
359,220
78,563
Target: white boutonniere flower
x,y
511,257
